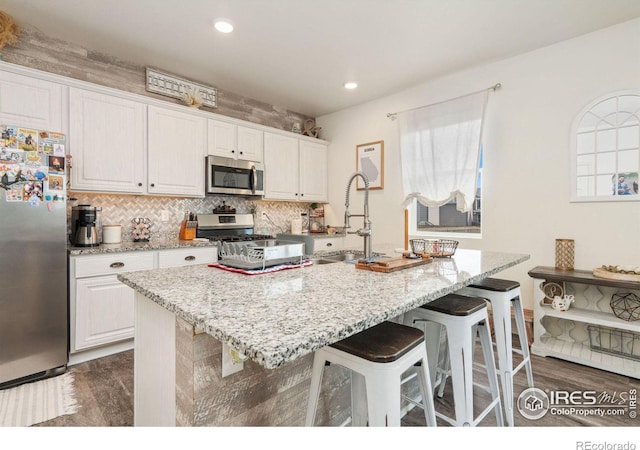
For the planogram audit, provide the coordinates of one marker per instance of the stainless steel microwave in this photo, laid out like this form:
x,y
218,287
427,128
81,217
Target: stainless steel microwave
x,y
231,176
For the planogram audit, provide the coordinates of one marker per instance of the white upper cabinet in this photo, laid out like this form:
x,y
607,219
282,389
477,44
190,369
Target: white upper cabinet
x,y
281,167
116,148
107,139
221,138
234,141
176,152
313,172
125,143
295,169
250,144
31,102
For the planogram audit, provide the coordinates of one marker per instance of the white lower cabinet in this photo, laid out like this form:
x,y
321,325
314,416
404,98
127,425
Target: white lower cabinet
x,y
104,312
102,308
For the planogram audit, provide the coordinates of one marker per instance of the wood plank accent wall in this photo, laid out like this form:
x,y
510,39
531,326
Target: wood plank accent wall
x,y
255,396
38,51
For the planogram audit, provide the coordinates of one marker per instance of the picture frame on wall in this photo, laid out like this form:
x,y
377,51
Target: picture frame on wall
x,y
370,161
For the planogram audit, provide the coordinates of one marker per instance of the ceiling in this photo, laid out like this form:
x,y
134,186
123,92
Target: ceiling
x,y
297,54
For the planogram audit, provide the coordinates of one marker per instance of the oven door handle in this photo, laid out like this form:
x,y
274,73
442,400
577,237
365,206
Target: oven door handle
x,y
254,179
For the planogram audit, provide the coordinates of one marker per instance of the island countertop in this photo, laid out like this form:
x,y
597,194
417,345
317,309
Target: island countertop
x,y
278,317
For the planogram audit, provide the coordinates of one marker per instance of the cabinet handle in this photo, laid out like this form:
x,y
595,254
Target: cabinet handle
x,y
233,151
116,265
140,184
296,194
301,195
189,258
329,244
241,153
153,185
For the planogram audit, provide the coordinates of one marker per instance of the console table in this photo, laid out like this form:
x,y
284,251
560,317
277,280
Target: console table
x,y
588,333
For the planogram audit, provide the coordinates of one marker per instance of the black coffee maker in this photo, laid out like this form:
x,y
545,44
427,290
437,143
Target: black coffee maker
x,y
85,224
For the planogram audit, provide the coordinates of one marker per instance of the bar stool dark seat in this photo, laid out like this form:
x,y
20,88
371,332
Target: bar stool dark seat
x,y
503,296
377,357
462,317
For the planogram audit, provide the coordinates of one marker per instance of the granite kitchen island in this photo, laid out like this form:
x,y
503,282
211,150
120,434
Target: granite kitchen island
x,y
187,318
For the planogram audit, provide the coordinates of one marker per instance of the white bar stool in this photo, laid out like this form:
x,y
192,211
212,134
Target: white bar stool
x,y
462,318
503,295
377,357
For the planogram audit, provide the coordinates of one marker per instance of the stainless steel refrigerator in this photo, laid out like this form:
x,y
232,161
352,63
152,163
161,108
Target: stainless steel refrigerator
x,y
33,255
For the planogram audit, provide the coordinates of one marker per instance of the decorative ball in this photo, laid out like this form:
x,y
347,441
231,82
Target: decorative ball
x,y
626,306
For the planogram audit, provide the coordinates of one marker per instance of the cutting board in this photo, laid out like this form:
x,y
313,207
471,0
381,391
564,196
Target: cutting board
x,y
602,273
391,264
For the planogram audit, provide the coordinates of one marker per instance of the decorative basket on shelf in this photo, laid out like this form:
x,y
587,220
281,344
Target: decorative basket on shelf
x,y
613,341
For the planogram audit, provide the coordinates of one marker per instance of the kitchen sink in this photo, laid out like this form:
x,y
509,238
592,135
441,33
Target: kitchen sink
x,y
341,257
347,257
325,261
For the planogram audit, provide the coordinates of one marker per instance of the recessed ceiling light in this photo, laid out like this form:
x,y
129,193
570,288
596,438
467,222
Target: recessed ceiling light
x,y
223,25
350,85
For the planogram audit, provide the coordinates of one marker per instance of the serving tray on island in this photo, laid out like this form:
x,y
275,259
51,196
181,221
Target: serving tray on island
x,y
391,264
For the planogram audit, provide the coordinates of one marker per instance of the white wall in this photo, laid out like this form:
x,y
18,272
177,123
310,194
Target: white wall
x,y
526,185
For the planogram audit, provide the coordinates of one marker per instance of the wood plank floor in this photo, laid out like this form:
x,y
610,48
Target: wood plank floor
x,y
104,390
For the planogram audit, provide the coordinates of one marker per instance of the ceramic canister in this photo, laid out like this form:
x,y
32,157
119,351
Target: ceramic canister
x,y
111,234
296,226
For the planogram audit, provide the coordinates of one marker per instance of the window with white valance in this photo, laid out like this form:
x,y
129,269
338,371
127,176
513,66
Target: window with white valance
x,y
440,157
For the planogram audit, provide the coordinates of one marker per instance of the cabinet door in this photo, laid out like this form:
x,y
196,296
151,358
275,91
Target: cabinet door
x,y
30,102
104,312
221,139
176,153
281,167
313,172
250,144
108,142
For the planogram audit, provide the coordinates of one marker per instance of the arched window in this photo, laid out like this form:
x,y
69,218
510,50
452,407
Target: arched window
x,y
606,149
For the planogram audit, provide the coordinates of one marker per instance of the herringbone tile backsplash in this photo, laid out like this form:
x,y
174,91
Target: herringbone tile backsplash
x,y
120,209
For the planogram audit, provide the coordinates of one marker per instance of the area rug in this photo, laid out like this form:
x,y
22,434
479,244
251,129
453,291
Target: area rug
x,y
38,401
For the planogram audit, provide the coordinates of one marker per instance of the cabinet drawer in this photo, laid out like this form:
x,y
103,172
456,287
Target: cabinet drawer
x,y
87,266
187,256
328,244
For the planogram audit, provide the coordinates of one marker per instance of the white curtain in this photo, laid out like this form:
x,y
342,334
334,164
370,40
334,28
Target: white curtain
x,y
439,151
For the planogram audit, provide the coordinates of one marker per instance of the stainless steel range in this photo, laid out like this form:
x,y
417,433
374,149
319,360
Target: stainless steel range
x,y
228,228
240,247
